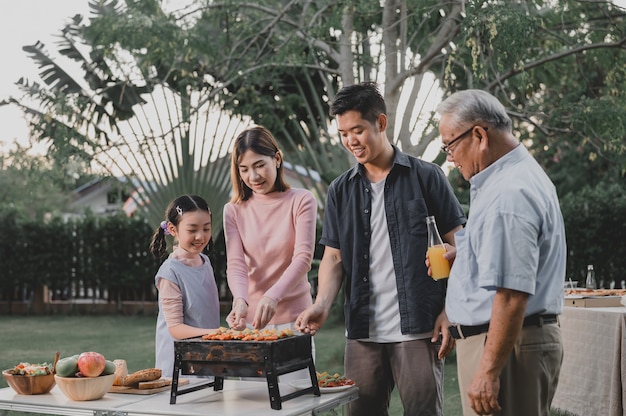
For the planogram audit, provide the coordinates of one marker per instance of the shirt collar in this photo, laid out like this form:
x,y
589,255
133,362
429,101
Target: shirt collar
x,y
399,158
514,156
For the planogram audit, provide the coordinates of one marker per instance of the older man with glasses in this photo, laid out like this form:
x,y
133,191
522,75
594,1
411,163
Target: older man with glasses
x,y
506,285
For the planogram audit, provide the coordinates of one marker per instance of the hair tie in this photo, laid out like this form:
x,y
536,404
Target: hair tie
x,y
164,227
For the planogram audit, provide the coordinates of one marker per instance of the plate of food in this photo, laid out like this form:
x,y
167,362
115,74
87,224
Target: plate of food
x,y
328,383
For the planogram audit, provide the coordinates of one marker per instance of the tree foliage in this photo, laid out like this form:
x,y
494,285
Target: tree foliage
x,y
553,64
158,133
593,217
556,66
152,77
32,187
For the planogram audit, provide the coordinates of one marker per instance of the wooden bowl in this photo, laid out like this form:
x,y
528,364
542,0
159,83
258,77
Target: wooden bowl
x,y
23,384
85,388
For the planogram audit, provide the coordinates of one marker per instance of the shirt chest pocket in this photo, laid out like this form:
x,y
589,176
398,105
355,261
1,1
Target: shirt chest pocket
x,y
414,217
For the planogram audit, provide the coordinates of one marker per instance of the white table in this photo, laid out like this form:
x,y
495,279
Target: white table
x,y
249,398
593,374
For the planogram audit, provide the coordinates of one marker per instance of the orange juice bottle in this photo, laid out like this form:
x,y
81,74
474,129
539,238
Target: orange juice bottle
x,y
439,266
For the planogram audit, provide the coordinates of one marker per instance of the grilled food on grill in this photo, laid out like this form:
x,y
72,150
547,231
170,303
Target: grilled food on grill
x,y
227,334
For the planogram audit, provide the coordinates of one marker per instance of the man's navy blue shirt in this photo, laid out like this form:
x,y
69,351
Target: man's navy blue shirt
x,y
414,189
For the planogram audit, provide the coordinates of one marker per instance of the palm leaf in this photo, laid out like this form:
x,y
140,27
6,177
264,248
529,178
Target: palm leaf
x,y
51,73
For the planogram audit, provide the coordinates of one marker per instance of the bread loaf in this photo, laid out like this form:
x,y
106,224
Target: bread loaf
x,y
121,371
147,374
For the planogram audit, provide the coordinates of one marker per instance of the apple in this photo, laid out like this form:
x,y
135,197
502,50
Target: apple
x,y
91,364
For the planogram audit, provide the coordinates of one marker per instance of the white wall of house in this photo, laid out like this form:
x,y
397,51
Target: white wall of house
x,y
96,197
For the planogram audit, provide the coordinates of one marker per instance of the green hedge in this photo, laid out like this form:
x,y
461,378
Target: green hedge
x,y
108,257
93,257
595,226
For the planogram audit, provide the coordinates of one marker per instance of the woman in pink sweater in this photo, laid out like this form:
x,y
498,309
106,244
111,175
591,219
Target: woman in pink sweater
x,y
270,236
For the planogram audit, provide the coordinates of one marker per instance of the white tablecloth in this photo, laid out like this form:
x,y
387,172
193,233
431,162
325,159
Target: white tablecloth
x,y
239,398
593,374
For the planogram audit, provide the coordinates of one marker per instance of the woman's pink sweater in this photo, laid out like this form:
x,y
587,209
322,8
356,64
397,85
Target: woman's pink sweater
x,y
269,247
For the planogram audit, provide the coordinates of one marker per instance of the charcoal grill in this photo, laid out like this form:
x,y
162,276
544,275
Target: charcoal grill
x,y
234,358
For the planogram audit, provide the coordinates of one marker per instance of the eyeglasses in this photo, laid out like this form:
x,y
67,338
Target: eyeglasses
x,y
446,147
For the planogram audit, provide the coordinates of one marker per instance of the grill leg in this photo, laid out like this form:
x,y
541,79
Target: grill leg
x,y
218,384
313,374
174,389
276,402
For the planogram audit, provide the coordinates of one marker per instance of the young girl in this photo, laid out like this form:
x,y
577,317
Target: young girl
x,y
188,296
270,236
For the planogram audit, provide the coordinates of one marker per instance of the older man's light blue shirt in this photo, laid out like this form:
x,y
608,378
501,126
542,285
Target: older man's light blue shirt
x,y
514,238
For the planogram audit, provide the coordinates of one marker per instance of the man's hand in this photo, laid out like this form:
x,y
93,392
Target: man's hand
x,y
441,327
505,326
236,319
311,319
330,276
483,394
265,310
449,255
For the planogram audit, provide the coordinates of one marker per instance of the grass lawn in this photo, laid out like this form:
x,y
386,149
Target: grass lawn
x,y
38,338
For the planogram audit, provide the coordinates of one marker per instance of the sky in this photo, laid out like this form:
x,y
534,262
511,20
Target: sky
x,y
24,22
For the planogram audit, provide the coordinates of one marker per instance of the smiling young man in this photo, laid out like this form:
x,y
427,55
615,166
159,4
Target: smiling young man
x,y
375,234
506,285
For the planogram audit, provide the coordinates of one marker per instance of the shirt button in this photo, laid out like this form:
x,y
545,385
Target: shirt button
x,y
365,256
367,211
365,279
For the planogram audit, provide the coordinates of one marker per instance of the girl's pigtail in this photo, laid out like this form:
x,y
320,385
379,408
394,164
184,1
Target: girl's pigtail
x,y
158,245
